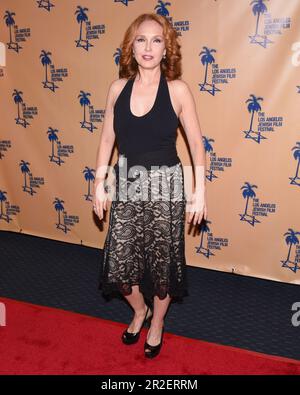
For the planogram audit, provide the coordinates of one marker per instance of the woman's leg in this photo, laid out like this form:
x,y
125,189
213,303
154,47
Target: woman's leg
x,y
157,322
136,300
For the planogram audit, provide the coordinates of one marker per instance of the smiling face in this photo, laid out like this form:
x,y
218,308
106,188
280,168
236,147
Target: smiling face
x,y
149,44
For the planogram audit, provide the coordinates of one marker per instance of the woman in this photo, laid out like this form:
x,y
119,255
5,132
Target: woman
x,y
144,247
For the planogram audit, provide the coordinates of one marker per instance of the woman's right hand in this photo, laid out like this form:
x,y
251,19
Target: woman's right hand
x,y
99,198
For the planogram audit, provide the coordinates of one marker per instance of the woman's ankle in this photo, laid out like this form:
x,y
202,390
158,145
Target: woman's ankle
x,y
141,313
156,324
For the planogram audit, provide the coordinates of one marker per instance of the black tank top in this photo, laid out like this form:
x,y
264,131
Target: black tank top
x,y
149,139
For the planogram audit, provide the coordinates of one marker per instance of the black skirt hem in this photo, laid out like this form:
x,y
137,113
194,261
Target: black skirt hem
x,y
110,289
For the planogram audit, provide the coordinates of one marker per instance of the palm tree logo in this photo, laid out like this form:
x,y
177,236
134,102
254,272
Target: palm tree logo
x,y
248,192
17,95
9,20
52,137
25,170
206,59
117,56
58,205
46,4
81,17
290,239
259,8
3,198
45,59
204,228
208,148
296,155
253,107
89,175
161,8
85,101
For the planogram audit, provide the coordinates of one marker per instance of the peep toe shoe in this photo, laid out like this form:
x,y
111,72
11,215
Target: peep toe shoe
x,y
132,338
154,350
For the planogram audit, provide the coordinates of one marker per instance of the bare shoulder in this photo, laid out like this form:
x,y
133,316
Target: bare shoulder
x,y
116,87
181,87
118,83
181,94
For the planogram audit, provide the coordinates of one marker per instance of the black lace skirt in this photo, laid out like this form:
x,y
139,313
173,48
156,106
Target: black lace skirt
x,y
145,243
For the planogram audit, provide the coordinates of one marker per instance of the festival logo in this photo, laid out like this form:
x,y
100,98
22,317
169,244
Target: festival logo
x,y
257,209
93,114
296,155
56,74
265,124
17,35
66,220
270,24
61,150
216,163
6,209
179,26
33,182
89,176
293,256
26,112
219,75
87,32
207,240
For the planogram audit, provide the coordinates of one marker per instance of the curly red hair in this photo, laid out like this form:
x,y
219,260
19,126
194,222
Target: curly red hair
x,y
170,66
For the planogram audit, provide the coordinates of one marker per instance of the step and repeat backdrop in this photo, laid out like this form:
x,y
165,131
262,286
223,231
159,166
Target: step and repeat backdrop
x,y
241,60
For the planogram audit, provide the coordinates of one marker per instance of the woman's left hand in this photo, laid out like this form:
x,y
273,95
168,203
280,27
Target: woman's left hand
x,y
198,207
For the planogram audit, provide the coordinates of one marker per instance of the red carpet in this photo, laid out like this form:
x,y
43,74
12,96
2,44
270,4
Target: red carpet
x,y
43,340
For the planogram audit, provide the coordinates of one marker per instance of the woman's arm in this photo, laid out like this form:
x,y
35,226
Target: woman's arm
x,y
105,147
190,122
107,138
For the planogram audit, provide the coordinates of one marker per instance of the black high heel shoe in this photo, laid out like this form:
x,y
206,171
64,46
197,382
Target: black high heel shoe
x,y
132,338
154,350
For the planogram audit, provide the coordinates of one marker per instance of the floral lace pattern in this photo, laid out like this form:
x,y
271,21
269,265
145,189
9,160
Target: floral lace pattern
x,y
145,243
